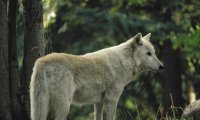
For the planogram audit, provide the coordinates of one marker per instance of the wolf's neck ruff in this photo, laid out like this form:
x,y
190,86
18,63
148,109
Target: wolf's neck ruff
x,y
129,55
138,67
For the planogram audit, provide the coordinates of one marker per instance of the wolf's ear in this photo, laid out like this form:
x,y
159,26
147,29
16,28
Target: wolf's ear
x,y
138,39
147,37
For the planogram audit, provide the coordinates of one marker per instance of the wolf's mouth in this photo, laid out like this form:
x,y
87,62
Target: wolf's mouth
x,y
154,70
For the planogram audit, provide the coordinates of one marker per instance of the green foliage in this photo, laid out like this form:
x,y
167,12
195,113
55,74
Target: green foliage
x,y
188,42
84,26
79,27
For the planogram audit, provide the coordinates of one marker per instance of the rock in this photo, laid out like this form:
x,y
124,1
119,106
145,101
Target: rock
x,y
192,111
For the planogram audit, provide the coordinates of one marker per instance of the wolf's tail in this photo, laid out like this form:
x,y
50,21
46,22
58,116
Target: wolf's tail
x,y
39,94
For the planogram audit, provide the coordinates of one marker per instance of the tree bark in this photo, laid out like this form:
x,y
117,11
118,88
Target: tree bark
x,y
14,76
5,111
172,79
33,44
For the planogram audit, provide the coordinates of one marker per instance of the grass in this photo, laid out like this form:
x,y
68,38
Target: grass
x,y
175,113
138,117
139,112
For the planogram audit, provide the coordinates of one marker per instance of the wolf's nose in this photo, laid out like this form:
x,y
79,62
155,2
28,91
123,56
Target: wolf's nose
x,y
161,67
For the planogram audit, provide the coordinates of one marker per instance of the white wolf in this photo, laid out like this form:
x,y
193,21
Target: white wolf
x,y
98,78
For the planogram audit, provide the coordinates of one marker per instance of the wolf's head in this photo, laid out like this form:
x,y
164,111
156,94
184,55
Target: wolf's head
x,y
144,53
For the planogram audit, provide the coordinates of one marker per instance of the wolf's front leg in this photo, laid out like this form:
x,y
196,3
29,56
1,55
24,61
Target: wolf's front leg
x,y
98,108
110,109
111,99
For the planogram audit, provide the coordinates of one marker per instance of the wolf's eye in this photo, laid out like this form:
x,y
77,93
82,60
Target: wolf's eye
x,y
149,53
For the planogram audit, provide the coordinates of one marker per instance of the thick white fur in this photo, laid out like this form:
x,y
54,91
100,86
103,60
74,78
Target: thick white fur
x,y
98,78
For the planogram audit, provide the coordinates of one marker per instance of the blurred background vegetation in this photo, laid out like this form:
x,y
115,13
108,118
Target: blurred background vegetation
x,y
81,26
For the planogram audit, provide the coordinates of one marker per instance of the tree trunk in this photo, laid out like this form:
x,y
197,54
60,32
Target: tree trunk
x,y
33,43
13,61
172,79
5,111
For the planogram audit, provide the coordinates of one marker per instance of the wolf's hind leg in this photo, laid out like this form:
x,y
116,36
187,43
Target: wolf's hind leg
x,y
63,98
62,104
62,109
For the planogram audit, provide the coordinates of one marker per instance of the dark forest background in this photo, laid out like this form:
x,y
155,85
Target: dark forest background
x,y
32,28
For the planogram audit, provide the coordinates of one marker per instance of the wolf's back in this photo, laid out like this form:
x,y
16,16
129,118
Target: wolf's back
x,y
39,94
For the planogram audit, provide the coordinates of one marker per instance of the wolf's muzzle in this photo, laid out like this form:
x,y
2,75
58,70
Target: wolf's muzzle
x,y
161,67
